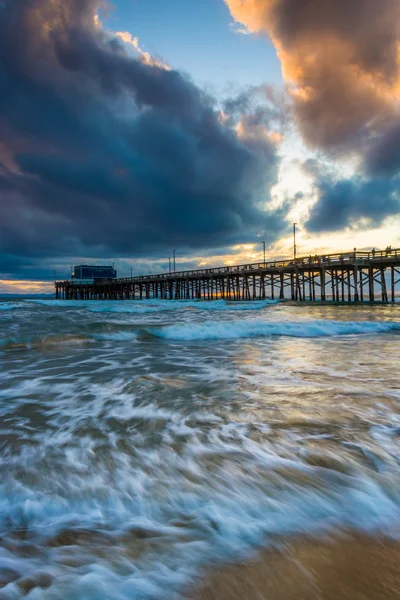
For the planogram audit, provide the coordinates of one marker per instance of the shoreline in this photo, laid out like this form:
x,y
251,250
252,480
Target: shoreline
x,y
340,567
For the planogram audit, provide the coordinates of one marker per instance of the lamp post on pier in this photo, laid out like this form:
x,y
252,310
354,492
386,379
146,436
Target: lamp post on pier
x,y
264,251
174,261
169,265
294,241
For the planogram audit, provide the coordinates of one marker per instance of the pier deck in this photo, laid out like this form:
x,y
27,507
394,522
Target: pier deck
x,y
340,277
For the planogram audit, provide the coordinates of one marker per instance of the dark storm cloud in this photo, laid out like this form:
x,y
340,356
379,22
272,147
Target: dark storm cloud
x,y
359,201
103,154
382,155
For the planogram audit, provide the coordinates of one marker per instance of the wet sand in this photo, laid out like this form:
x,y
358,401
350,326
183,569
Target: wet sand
x,y
347,567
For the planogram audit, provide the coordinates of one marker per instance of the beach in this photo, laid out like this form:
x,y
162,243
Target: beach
x,y
348,566
173,449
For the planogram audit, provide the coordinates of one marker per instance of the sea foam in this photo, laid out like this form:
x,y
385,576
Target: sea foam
x,y
121,485
215,330
155,305
60,303
148,306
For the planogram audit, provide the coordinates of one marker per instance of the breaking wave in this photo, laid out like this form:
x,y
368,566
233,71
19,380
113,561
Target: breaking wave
x,y
214,330
10,305
156,305
149,306
224,305
117,336
61,303
124,309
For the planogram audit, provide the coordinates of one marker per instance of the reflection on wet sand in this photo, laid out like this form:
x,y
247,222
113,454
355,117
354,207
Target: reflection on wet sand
x,y
344,568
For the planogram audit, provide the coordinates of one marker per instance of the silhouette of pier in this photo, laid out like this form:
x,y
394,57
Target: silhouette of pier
x,y
341,277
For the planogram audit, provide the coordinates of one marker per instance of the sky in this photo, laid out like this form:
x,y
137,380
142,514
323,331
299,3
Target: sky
x,y
199,39
133,128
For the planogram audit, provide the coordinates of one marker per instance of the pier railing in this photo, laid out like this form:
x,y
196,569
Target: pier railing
x,y
319,260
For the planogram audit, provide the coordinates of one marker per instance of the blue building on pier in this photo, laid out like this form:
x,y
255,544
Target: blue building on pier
x,y
92,273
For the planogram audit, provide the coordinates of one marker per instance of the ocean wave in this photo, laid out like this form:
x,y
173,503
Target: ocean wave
x,y
34,342
150,306
154,305
224,305
126,469
38,342
117,336
10,305
214,330
172,509
61,303
125,309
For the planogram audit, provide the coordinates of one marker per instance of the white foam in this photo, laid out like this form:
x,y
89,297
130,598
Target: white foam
x,y
124,308
224,305
174,476
148,412
215,330
155,305
117,336
223,507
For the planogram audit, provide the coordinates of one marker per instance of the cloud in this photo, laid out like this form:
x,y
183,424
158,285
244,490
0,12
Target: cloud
x,y
382,155
340,59
353,202
144,56
24,287
105,154
240,29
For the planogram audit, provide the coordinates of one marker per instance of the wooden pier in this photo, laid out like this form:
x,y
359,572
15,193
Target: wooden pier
x,y
345,277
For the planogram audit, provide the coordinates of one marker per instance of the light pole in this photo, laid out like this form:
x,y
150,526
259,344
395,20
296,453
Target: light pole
x,y
294,241
169,265
174,262
264,251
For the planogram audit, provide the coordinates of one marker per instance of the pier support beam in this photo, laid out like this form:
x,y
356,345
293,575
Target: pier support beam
x,y
371,284
323,291
355,276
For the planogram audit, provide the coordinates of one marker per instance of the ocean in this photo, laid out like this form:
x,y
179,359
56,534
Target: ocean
x,y
142,442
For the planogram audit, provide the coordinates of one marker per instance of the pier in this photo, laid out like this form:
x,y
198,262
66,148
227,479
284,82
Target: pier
x,y
341,277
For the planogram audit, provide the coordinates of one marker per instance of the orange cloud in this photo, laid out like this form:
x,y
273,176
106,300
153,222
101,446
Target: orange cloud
x,y
145,57
340,59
